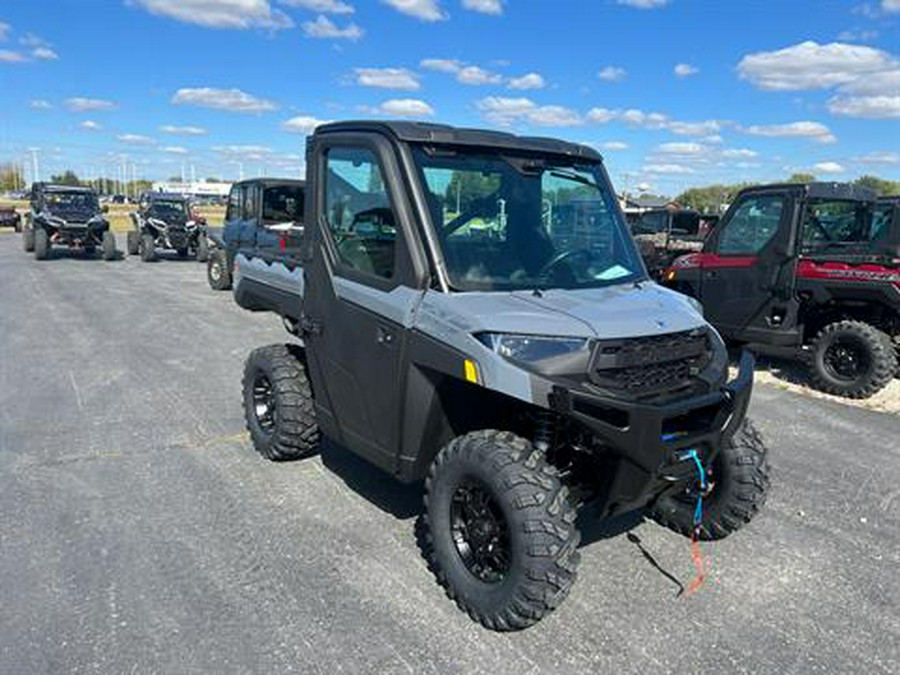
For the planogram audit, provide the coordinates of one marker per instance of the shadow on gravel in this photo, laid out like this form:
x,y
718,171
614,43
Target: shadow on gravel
x,y
368,481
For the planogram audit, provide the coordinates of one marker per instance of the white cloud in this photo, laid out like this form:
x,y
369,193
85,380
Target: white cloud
x,y
40,104
325,28
234,14
387,78
175,149
5,29
404,107
442,65
135,139
476,76
426,10
809,65
682,149
685,70
829,167
232,100
855,35
694,128
614,145
506,111
643,4
322,6
90,125
880,157
673,169
484,6
82,104
44,54
739,153
866,107
11,57
890,6
244,153
655,121
815,131
529,81
32,40
612,74
183,130
302,124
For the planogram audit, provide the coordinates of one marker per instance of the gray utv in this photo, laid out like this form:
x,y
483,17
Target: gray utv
x,y
473,313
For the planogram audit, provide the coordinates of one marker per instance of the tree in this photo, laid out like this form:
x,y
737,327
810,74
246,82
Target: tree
x,y
67,178
879,185
710,199
802,178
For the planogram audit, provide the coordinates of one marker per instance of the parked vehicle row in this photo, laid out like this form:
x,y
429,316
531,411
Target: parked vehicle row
x,y
166,221
66,216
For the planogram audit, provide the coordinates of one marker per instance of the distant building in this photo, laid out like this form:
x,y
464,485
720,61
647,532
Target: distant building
x,y
193,188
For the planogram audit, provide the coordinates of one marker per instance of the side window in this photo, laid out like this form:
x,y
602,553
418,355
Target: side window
x,y
282,203
251,202
752,226
359,213
234,204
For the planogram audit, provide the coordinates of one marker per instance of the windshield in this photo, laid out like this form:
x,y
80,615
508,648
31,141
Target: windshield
x,y
837,224
81,201
167,209
516,223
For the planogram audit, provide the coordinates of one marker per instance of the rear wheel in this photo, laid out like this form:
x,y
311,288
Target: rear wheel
x,y
18,225
148,248
278,404
217,271
133,242
202,249
739,476
852,359
182,252
109,246
41,244
501,535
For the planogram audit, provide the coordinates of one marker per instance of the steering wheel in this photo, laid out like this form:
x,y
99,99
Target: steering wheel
x,y
560,258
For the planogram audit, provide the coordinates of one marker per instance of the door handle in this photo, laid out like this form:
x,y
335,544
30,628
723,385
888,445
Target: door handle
x,y
384,336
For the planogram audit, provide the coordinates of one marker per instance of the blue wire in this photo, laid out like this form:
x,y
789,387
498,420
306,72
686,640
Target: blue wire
x,y
698,511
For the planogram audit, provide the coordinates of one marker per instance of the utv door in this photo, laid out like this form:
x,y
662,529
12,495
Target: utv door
x,y
360,293
747,271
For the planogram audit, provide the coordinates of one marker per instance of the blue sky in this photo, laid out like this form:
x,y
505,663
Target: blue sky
x,y
673,92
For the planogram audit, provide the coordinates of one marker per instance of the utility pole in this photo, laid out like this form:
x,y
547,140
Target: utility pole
x,y
34,161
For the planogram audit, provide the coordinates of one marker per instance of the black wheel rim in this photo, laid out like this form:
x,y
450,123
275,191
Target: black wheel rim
x,y
480,532
264,408
846,360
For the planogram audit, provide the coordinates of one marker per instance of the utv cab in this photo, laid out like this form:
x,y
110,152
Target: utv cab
x,y
664,234
473,313
166,221
264,222
62,215
813,268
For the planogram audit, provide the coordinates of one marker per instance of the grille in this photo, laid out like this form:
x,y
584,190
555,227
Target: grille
x,y
648,366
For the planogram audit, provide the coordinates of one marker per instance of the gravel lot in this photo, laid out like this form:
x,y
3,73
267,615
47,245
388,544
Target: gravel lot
x,y
139,532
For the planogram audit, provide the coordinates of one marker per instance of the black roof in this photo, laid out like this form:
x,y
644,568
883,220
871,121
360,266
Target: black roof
x,y
819,190
269,182
441,134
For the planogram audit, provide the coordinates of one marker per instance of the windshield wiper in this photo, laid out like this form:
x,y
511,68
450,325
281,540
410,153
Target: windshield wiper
x,y
575,177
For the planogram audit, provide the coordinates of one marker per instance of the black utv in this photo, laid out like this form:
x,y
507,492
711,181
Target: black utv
x,y
62,215
166,221
811,269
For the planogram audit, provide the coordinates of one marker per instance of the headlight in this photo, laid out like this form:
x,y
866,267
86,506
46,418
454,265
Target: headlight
x,y
531,348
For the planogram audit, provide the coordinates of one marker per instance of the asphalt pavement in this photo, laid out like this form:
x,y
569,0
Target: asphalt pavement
x,y
140,533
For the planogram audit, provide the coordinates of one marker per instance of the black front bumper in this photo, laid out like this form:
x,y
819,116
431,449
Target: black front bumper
x,y
651,441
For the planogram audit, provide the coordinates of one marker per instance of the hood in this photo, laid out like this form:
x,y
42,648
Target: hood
x,y
617,311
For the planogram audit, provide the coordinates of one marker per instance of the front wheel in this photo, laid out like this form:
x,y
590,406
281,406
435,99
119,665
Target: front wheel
x,y
501,535
41,244
28,240
109,246
278,404
852,359
739,479
202,249
217,273
133,242
148,248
